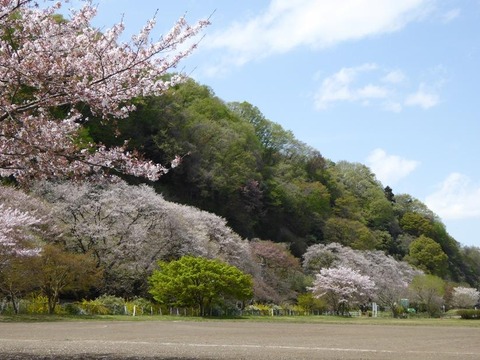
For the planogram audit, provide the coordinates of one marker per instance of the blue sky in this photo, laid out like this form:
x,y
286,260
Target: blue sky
x,y
394,85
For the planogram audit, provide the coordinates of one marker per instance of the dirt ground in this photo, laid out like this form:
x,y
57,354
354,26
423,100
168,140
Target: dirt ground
x,y
234,340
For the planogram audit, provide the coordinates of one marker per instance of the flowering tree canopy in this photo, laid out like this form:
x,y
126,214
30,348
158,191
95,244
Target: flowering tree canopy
x,y
11,221
391,276
465,297
54,71
24,222
129,228
342,287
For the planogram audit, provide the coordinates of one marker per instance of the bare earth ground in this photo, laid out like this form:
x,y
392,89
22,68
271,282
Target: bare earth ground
x,y
234,340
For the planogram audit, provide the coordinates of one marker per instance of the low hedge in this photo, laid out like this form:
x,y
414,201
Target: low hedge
x,y
469,313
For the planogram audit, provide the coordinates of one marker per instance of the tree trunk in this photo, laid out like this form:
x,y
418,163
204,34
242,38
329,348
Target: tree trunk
x,y
14,304
52,301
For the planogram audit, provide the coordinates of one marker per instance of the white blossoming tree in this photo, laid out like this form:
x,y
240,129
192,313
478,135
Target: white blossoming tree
x,y
465,297
129,228
342,288
52,70
24,222
391,277
12,221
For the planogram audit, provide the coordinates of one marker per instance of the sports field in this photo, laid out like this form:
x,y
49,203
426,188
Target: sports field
x,y
227,339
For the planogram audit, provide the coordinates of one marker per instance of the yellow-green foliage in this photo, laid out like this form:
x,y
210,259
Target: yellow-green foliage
x,y
260,309
94,307
37,305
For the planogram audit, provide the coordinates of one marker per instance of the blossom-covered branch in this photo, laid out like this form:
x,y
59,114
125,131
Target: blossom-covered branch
x,y
11,221
49,65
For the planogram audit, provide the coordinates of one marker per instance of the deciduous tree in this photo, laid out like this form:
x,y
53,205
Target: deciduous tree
x,y
54,71
17,278
342,287
196,281
280,277
24,222
427,291
464,297
428,255
129,228
59,271
391,277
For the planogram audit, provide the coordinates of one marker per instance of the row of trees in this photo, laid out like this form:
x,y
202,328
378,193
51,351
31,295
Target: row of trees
x,y
269,185
78,105
122,231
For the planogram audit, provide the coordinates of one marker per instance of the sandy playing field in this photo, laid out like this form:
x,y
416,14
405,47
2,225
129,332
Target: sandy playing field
x,y
234,340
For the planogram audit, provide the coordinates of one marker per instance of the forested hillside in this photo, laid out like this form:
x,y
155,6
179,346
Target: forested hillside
x,y
268,185
89,214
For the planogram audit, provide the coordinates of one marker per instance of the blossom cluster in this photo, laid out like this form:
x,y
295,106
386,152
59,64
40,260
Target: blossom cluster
x,y
11,221
49,65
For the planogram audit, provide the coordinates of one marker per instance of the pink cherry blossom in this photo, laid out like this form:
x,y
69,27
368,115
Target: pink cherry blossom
x,y
342,287
48,63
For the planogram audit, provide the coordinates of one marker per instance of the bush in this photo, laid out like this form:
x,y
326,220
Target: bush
x,y
71,309
469,313
94,307
114,304
37,305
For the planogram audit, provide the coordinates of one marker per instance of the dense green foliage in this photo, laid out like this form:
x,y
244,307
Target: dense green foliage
x,y
199,282
469,314
268,185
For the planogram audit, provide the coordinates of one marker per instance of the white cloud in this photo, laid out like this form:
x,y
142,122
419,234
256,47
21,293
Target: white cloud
x,y
456,198
394,77
371,85
423,97
341,86
389,169
286,25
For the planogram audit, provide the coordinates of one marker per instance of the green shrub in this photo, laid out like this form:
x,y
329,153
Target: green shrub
x,y
37,305
469,313
114,304
71,309
94,307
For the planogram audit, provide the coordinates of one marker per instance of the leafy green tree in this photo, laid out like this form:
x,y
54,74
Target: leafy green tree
x,y
471,264
311,304
350,233
60,271
428,255
17,279
196,281
416,224
427,291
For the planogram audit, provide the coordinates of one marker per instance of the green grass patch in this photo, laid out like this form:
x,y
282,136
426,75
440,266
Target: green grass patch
x,y
279,319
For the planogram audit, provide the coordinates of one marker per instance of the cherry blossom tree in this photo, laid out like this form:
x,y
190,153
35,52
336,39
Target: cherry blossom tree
x,y
342,287
54,71
129,228
464,297
391,277
11,221
24,221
